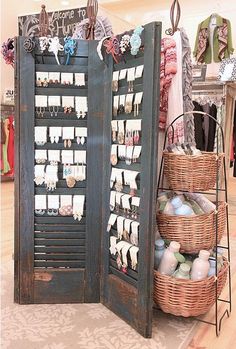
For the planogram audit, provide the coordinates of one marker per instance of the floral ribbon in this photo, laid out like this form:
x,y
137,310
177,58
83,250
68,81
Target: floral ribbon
x,y
8,51
55,47
135,40
112,47
69,47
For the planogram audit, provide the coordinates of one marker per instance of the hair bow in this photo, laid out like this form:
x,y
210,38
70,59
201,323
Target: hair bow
x,y
112,47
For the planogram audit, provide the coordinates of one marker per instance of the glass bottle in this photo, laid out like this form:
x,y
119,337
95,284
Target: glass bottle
x,y
220,260
159,251
212,270
169,262
201,266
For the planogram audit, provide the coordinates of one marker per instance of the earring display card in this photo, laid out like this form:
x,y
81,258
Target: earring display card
x,y
85,187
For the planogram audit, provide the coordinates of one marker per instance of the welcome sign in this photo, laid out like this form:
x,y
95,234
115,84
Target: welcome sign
x,y
61,23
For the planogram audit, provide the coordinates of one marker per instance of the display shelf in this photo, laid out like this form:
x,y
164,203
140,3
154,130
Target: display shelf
x,y
216,192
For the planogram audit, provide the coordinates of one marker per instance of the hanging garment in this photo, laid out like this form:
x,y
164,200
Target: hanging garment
x,y
175,97
168,69
187,87
212,128
10,148
198,127
214,39
206,108
5,167
205,127
3,134
234,137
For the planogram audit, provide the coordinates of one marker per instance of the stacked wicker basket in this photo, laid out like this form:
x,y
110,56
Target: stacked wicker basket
x,y
193,174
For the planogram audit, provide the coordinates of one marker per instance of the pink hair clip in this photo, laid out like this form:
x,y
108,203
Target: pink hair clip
x,y
112,47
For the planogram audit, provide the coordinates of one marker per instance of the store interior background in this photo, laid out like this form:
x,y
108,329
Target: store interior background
x,y
124,15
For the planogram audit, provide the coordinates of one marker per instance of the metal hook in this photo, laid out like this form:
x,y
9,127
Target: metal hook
x,y
174,17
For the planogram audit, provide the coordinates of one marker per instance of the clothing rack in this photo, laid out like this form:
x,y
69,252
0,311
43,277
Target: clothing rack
x,y
196,92
208,86
7,110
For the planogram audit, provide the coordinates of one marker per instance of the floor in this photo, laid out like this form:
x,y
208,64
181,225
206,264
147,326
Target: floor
x,y
204,337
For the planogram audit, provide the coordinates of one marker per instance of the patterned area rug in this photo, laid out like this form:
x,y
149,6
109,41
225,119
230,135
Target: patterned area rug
x,y
81,326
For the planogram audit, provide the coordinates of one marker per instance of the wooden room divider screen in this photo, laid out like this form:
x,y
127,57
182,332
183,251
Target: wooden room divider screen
x,y
59,259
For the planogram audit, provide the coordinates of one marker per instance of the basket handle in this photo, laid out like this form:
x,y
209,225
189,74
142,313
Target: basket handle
x,y
199,113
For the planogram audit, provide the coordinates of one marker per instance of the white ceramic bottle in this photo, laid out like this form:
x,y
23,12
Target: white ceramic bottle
x,y
169,262
181,208
201,266
183,271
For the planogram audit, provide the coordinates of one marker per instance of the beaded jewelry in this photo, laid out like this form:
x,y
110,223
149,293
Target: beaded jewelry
x,y
125,43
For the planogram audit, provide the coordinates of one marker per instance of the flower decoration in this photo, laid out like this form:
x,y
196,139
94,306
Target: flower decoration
x,y
135,40
8,51
43,43
112,47
55,47
125,43
69,47
29,45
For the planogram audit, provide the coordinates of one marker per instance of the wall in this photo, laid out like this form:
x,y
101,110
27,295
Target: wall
x,y
10,10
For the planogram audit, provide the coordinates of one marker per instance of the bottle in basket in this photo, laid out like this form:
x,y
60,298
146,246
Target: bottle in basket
x,y
183,272
169,262
159,251
201,266
212,270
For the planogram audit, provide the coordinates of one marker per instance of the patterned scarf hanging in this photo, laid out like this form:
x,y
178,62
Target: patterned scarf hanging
x,y
203,41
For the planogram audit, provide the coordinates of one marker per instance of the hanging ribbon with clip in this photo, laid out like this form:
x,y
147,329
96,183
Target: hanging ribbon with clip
x,y
55,47
69,47
112,47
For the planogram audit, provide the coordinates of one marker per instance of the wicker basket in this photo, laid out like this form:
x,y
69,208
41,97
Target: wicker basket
x,y
193,233
187,297
191,172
